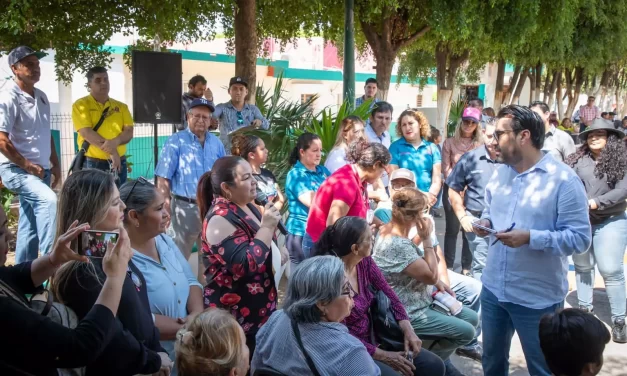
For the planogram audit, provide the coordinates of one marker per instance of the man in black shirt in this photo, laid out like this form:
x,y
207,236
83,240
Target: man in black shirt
x,y
472,173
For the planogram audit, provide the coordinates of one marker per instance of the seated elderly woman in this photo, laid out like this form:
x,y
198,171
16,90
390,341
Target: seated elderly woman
x,y
212,344
350,239
307,337
413,273
32,344
173,291
91,196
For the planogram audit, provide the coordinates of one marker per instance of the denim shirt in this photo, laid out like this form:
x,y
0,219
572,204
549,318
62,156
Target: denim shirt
x,y
549,200
183,160
229,120
167,282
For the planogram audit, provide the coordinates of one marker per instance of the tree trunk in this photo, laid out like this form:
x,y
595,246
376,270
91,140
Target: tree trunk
x,y
547,87
447,64
512,84
246,44
385,63
558,95
499,93
532,84
574,89
538,77
519,86
552,88
444,108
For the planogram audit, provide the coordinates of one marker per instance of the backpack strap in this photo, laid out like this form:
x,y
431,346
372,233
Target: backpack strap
x,y
310,363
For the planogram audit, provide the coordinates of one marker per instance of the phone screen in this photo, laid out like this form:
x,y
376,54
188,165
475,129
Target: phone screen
x,y
94,243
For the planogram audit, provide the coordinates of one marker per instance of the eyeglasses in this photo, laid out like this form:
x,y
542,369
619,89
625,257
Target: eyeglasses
x,y
139,179
498,134
347,289
240,118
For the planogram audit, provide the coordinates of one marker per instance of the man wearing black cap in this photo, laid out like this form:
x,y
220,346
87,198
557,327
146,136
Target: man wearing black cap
x,y
27,154
236,113
185,157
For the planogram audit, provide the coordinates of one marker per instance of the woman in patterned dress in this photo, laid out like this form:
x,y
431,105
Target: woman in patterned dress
x,y
237,245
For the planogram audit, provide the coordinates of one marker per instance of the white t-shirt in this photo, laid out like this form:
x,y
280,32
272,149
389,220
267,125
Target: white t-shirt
x,y
336,159
27,121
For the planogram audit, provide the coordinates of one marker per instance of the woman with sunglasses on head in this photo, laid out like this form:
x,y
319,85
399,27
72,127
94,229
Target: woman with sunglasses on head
x,y
253,150
412,272
350,239
91,196
301,185
174,293
29,335
601,163
237,245
345,192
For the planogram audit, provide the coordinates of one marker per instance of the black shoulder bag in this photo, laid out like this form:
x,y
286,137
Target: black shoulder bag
x,y
79,159
310,362
384,328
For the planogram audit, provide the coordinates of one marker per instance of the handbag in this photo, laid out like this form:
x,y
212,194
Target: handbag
x,y
79,159
384,329
310,363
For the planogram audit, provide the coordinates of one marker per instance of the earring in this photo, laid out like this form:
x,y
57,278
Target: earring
x,y
137,224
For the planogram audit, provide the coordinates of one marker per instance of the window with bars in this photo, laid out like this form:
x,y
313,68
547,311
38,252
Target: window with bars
x,y
419,100
305,97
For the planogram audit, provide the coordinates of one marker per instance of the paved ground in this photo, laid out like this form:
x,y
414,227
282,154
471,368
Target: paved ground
x,y
615,354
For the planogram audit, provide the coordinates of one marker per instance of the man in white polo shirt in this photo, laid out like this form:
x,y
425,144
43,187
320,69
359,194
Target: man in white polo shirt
x,y
27,154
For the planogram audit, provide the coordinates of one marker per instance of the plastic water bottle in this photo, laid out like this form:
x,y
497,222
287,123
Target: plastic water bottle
x,y
447,299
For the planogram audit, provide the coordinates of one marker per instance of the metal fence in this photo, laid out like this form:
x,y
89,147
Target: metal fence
x,y
140,152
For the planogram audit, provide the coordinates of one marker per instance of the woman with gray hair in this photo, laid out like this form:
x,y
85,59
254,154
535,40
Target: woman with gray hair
x,y
306,337
174,294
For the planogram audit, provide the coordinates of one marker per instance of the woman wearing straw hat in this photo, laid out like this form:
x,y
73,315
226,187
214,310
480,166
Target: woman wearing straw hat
x,y
601,163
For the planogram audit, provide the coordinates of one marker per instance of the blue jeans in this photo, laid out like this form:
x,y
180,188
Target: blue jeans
x,y
294,245
308,246
468,291
479,249
104,166
38,211
609,240
501,320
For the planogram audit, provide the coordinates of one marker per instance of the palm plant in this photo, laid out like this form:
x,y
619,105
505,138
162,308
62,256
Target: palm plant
x,y
457,109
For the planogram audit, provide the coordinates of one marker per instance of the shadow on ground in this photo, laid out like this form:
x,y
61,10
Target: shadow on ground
x,y
601,305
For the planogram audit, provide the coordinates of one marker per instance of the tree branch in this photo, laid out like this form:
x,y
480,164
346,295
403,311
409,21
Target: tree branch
x,y
414,37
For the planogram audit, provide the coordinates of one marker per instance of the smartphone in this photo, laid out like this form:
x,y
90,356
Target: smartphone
x,y
477,225
94,242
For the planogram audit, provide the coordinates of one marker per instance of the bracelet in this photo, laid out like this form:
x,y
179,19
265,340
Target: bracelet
x,y
463,216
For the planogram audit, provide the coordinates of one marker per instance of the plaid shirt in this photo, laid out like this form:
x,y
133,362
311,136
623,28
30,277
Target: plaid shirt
x,y
589,113
359,101
231,119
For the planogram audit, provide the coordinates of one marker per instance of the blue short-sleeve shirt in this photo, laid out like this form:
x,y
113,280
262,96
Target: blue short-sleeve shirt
x,y
300,180
419,159
183,160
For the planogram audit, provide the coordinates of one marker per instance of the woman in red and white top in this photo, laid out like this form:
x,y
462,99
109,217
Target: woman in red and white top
x,y
345,192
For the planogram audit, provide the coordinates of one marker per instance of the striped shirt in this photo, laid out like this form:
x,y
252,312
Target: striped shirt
x,y
183,160
331,348
589,113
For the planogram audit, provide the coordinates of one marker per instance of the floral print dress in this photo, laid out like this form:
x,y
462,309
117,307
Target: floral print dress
x,y
239,269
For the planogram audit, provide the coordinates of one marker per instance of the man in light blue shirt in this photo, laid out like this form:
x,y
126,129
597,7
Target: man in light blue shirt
x,y
184,158
539,208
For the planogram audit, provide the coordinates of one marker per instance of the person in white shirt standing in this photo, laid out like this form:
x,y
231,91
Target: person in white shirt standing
x,y
27,154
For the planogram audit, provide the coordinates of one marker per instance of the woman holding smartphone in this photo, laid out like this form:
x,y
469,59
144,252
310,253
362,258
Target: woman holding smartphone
x,y
91,196
28,335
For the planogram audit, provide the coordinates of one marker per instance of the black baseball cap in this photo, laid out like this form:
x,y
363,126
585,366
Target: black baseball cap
x,y
22,52
202,102
238,80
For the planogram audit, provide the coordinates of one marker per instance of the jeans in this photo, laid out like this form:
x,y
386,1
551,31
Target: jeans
x,y
294,245
38,211
104,166
426,363
479,250
451,331
185,226
609,240
501,320
468,291
450,236
308,246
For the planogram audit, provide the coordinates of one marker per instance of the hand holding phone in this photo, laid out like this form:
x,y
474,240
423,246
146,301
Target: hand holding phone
x,y
481,229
